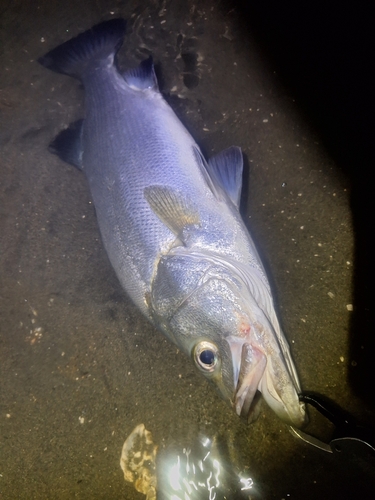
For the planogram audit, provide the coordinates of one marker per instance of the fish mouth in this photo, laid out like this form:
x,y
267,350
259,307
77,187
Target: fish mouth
x,y
281,395
257,374
253,365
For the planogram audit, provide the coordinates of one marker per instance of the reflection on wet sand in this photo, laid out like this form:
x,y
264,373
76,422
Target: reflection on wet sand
x,y
198,473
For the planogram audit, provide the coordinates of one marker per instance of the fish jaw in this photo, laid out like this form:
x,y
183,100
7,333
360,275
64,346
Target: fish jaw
x,y
253,364
281,395
259,365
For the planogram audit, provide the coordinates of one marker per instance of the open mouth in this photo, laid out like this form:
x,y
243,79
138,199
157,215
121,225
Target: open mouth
x,y
255,375
253,364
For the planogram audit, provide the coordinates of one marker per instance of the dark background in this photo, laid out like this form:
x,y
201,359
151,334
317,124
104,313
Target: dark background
x,y
323,54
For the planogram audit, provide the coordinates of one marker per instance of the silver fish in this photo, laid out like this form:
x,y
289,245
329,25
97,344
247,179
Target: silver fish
x,y
170,223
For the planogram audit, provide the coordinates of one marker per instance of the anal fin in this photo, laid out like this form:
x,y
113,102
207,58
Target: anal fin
x,y
68,144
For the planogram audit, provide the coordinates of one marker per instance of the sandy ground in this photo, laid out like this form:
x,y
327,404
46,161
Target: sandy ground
x,y
79,366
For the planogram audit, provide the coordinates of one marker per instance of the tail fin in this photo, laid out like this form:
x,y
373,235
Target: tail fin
x,y
77,55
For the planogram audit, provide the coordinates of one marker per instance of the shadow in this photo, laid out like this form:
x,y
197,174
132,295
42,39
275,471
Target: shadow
x,y
324,57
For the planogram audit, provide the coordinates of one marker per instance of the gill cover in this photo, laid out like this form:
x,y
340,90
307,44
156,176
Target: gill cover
x,y
196,304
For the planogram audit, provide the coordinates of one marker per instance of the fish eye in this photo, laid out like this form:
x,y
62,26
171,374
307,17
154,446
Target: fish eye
x,y
206,356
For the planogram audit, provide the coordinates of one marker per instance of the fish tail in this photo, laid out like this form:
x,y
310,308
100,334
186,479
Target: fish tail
x,y
98,45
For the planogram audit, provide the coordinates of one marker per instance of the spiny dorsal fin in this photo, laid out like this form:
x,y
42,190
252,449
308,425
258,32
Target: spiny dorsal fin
x,y
223,173
204,168
225,170
172,208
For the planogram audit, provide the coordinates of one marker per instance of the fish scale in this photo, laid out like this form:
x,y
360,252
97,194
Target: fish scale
x,y
135,164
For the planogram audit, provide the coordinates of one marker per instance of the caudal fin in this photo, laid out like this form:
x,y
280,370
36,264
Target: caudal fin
x,y
79,54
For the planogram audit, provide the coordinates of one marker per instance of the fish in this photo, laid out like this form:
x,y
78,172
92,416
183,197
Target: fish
x,y
170,223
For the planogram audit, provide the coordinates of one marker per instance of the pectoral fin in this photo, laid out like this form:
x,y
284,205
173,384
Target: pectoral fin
x,y
172,208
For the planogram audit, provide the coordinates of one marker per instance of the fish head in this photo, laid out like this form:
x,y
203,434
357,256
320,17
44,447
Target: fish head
x,y
209,313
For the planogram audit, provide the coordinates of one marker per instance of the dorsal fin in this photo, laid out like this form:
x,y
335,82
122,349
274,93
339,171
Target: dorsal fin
x,y
204,168
142,77
225,170
223,173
